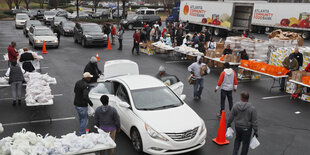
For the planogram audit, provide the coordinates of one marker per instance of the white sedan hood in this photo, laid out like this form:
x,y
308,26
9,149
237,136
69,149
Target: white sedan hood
x,y
46,38
178,119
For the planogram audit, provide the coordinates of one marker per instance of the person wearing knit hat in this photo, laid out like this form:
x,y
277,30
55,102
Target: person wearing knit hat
x,y
81,101
195,69
291,64
93,69
107,119
161,72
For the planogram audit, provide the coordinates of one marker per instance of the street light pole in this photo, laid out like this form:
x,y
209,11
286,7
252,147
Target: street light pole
x,y
117,8
77,8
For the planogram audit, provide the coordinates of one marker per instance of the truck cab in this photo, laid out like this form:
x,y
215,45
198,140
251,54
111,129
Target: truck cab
x,y
174,17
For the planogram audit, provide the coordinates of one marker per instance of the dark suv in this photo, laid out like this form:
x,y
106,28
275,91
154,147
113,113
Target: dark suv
x,y
89,34
138,20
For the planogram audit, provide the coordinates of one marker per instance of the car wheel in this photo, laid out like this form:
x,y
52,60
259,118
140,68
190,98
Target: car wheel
x,y
130,26
136,140
84,43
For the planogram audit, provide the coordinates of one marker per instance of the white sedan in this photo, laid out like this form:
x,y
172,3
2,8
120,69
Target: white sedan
x,y
156,119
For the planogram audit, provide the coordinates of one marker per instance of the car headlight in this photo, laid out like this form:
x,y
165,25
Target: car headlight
x,y
67,30
105,36
154,134
37,41
27,29
203,127
125,21
56,40
88,36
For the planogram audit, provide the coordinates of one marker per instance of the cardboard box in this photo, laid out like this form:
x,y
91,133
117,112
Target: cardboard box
x,y
220,45
292,88
305,97
211,63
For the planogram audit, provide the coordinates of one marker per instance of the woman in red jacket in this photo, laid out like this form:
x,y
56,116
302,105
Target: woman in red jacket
x,y
136,42
113,33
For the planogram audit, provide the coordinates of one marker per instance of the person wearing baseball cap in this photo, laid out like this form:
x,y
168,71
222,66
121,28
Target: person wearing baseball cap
x,y
81,101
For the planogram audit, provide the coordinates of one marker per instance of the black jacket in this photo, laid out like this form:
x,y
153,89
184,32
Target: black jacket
x,y
16,74
93,69
201,47
227,51
299,58
27,58
81,91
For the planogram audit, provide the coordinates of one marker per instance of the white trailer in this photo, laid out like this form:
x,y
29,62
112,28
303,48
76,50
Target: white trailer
x,y
259,16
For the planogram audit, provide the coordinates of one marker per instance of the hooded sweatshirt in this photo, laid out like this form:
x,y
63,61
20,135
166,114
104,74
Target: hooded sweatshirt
x,y
196,67
107,118
227,80
245,116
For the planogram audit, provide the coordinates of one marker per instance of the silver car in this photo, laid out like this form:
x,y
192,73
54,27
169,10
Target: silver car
x,y
38,34
20,20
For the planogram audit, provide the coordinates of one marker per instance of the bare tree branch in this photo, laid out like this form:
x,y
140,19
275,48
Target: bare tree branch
x,y
9,2
95,3
27,2
17,2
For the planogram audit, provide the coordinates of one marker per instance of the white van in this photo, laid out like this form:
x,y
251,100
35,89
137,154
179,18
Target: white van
x,y
146,12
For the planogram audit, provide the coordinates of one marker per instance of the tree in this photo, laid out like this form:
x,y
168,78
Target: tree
x,y
96,2
27,2
41,4
53,3
9,2
124,9
17,2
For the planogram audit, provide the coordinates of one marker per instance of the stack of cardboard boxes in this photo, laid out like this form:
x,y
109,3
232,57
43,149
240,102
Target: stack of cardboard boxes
x,y
278,38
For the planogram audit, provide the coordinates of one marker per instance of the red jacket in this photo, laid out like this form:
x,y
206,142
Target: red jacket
x,y
113,31
162,34
307,69
12,53
226,83
136,37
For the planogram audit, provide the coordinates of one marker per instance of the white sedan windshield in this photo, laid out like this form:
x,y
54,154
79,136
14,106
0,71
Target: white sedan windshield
x,y
44,32
22,17
155,98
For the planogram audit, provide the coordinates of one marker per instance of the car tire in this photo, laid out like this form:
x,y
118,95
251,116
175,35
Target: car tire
x,y
130,26
136,140
84,44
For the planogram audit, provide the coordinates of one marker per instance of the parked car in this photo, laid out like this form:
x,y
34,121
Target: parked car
x,y
56,20
160,10
62,13
48,16
32,14
19,10
89,34
155,119
82,14
138,20
66,28
38,34
40,14
115,14
20,20
146,12
97,14
30,23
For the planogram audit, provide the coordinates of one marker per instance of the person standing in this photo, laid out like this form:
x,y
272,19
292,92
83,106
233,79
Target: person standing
x,y
157,34
93,69
227,82
299,57
195,68
245,117
227,50
16,79
120,34
113,33
244,34
207,35
136,42
81,101
12,52
26,58
152,33
212,44
291,64
161,72
107,119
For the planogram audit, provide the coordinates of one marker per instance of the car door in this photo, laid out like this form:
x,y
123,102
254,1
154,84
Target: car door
x,y
127,116
138,22
99,89
173,83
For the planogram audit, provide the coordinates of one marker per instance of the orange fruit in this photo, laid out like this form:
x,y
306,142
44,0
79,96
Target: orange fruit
x,y
186,9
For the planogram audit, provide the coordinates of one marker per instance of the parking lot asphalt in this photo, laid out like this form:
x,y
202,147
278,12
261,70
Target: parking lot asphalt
x,y
281,131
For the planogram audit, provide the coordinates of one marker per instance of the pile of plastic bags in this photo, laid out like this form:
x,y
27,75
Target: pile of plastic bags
x,y
188,50
26,142
3,80
38,89
162,45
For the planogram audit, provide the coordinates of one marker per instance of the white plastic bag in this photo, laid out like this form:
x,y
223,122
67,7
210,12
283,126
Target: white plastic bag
x,y
254,143
1,128
229,132
91,111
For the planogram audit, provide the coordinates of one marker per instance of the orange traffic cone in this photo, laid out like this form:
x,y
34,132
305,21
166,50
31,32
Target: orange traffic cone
x,y
109,44
221,138
44,48
97,56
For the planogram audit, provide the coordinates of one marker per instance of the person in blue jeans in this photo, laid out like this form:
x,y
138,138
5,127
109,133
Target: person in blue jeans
x,y
81,101
195,69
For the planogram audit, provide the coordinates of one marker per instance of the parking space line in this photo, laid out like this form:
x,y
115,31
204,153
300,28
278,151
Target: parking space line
x,y
55,95
40,121
273,97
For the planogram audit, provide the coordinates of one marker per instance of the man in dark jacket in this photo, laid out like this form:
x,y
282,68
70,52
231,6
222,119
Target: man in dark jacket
x,y
81,101
227,50
136,42
107,119
12,53
299,57
93,69
291,64
207,35
245,117
16,79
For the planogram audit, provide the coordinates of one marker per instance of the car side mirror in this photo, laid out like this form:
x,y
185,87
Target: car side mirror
x,y
183,97
123,104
